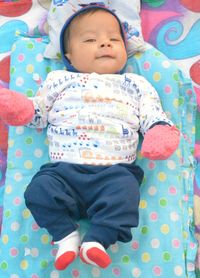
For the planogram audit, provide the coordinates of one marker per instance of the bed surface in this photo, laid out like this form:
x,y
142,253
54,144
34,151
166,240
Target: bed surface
x,y
170,26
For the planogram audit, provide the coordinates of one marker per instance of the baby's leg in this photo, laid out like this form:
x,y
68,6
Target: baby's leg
x,y
53,205
113,211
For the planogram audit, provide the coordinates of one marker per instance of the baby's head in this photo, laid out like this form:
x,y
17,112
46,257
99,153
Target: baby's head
x,y
92,40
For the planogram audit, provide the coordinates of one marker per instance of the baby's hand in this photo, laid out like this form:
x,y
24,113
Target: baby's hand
x,y
160,142
15,108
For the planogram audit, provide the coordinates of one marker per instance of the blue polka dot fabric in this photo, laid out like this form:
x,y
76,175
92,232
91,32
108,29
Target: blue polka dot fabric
x,y
163,244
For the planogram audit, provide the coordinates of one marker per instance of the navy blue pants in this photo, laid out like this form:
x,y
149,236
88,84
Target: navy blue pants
x,y
62,193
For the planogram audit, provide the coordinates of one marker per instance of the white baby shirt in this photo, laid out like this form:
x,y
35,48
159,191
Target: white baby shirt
x,y
94,119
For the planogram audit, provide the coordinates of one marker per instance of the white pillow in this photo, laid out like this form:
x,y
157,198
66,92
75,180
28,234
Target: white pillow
x,y
128,12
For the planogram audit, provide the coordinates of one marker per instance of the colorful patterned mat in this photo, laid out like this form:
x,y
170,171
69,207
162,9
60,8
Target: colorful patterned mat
x,y
169,25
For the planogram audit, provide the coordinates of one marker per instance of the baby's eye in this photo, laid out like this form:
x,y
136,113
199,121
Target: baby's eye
x,y
90,40
115,39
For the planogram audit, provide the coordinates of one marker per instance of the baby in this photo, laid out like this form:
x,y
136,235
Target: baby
x,y
93,114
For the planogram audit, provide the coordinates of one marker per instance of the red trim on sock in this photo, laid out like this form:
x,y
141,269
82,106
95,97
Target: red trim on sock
x,y
64,260
98,256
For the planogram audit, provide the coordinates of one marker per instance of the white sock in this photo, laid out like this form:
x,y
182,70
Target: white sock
x,y
68,249
95,254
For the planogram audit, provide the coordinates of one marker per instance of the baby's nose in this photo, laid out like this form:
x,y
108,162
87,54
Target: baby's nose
x,y
106,44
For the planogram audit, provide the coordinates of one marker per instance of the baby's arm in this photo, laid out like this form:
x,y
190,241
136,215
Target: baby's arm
x,y
16,109
161,137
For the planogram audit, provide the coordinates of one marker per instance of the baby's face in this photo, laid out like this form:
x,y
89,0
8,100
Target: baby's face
x,y
95,44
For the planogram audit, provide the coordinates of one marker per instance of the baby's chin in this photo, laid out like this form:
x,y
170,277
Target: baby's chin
x,y
108,66
107,69
104,67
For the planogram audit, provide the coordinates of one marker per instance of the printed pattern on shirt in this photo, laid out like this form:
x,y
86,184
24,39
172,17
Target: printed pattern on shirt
x,y
95,119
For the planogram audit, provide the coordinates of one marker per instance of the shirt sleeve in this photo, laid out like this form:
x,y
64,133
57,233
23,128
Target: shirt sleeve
x,y
150,108
43,101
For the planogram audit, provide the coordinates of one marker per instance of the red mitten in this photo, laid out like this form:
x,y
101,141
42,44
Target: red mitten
x,y
15,108
160,142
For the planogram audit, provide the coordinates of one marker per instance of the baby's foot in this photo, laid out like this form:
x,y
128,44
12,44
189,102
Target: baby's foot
x,y
68,249
94,253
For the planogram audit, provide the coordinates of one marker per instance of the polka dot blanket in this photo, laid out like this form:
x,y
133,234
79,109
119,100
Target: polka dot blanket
x,y
163,244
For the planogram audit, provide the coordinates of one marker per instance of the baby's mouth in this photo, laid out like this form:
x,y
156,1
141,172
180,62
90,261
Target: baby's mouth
x,y
108,56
